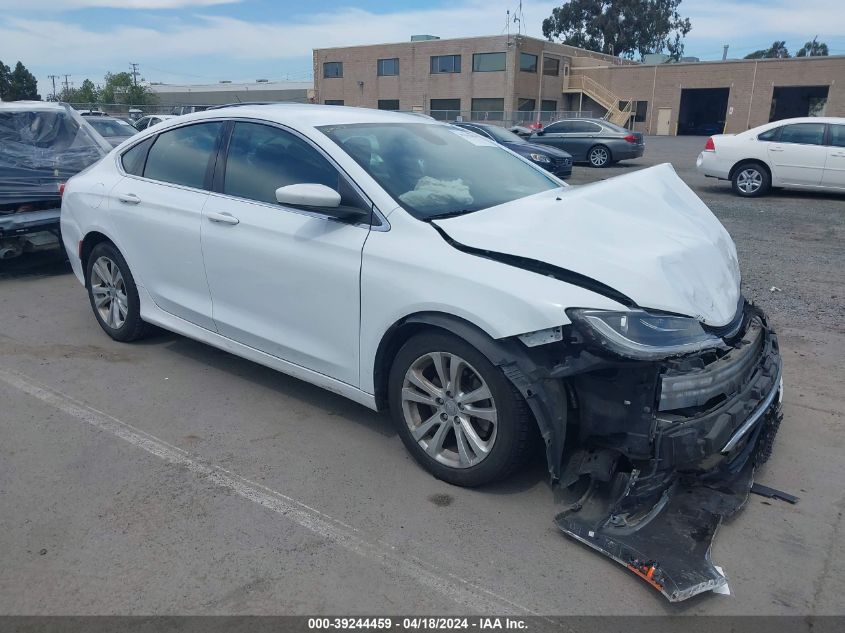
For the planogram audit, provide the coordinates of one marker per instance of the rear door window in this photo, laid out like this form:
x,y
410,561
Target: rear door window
x,y
803,133
182,156
770,135
133,160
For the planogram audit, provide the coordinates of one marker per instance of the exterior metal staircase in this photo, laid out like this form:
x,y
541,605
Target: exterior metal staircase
x,y
604,97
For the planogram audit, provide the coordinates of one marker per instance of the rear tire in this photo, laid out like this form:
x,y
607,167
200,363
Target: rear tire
x,y
751,180
113,294
472,429
599,156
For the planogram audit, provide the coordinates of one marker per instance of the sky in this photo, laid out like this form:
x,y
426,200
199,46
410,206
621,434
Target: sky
x,y
205,41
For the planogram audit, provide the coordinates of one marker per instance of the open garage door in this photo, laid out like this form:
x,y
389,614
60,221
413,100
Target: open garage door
x,y
795,101
703,111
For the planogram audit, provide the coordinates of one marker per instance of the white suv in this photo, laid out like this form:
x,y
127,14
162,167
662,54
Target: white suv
x,y
806,153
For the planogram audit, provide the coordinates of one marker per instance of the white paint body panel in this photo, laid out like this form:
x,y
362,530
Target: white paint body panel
x,y
792,165
645,234
314,297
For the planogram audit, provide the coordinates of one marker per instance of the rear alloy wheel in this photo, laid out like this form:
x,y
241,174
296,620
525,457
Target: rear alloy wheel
x,y
113,294
456,412
751,180
599,156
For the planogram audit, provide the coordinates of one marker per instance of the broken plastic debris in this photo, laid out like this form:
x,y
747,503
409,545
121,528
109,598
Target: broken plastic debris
x,y
774,289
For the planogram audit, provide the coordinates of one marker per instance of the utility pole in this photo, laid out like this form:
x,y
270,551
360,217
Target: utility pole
x,y
67,89
53,79
134,73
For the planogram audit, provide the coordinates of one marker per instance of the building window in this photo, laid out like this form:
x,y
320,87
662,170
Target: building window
x,y
488,109
333,102
445,109
488,62
388,67
551,66
445,64
528,62
526,109
332,69
388,104
638,110
548,109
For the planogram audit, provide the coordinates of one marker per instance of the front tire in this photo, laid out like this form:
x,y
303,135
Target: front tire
x,y
599,156
113,294
457,414
751,180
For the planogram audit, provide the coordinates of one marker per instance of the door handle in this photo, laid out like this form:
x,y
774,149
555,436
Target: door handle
x,y
775,149
128,198
222,218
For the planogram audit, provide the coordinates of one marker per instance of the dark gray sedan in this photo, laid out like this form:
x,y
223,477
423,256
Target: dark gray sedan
x,y
596,142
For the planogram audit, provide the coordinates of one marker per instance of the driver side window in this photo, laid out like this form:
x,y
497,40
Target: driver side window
x,y
262,158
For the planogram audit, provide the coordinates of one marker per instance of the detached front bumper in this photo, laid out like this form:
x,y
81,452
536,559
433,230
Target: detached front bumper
x,y
655,487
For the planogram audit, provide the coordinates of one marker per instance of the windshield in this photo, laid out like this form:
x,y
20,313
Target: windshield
x,y
438,170
112,127
502,135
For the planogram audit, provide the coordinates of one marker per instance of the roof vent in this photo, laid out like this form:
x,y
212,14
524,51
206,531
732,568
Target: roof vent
x,y
262,81
424,38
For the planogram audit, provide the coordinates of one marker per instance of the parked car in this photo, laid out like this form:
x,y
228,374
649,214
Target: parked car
x,y
41,145
114,130
151,119
549,158
805,153
597,142
92,113
410,265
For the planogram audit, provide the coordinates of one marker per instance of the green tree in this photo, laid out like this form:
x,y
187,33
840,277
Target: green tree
x,y
17,84
813,48
777,50
87,93
5,82
620,27
120,88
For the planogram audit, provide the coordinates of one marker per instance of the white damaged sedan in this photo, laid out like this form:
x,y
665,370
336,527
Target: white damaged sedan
x,y
412,265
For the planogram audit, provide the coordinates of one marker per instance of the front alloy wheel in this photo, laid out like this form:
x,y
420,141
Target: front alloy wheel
x,y
449,409
456,412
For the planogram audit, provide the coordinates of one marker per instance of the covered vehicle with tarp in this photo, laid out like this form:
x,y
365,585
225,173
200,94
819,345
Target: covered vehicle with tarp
x,y
41,145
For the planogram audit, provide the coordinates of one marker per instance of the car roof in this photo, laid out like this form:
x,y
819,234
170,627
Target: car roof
x,y
32,106
807,119
308,115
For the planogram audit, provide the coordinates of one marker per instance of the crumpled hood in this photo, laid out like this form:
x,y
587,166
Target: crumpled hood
x,y
645,234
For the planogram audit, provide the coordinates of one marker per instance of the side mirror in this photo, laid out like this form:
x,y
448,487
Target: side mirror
x,y
540,132
319,198
308,195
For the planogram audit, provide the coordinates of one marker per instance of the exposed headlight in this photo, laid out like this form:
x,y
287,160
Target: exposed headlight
x,y
539,158
640,335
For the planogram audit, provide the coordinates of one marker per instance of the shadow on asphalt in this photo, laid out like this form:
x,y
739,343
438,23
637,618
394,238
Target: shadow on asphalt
x,y
44,264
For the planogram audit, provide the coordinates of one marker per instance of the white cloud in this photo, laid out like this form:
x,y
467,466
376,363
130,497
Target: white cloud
x,y
48,40
738,22
55,6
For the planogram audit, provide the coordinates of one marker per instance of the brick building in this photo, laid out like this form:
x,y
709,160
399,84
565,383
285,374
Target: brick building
x,y
518,78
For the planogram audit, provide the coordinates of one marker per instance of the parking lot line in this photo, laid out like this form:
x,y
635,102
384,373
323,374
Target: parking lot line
x,y
457,589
